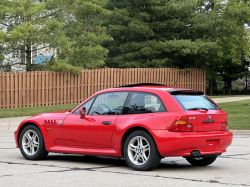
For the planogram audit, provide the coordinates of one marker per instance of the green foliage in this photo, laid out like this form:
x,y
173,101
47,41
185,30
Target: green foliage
x,y
3,36
227,61
28,26
56,65
229,32
61,65
158,33
84,35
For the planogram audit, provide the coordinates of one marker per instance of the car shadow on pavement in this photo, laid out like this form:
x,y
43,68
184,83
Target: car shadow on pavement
x,y
112,161
87,159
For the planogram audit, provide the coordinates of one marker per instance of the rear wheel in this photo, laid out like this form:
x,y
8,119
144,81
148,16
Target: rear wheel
x,y
31,143
140,151
201,161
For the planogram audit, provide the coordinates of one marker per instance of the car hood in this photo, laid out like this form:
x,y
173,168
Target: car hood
x,y
61,112
39,119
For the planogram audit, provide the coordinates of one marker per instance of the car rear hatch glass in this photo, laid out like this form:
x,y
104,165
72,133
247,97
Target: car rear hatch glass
x,y
202,112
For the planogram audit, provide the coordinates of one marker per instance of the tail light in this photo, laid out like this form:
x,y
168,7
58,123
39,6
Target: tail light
x,y
181,126
225,125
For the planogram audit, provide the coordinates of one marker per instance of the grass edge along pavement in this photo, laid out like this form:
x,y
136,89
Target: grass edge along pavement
x,y
18,112
238,112
225,96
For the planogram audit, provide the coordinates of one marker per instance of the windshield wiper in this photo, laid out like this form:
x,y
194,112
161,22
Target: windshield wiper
x,y
198,108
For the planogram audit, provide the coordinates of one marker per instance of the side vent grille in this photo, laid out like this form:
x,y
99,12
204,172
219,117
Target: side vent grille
x,y
50,122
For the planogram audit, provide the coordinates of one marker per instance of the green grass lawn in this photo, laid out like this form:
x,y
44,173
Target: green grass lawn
x,y
238,112
16,112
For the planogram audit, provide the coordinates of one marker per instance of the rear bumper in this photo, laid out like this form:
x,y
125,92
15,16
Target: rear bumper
x,y
181,144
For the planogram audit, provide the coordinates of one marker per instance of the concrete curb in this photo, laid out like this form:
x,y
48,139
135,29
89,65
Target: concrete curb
x,y
241,132
11,123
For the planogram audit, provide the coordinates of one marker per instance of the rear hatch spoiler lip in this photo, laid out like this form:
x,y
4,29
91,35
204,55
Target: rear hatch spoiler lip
x,y
182,91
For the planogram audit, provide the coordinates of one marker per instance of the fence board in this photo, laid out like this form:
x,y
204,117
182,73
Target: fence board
x,y
8,90
55,88
15,89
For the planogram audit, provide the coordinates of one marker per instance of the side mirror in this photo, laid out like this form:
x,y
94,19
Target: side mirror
x,y
82,112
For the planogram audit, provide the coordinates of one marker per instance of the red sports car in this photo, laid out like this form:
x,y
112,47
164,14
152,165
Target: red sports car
x,y
142,123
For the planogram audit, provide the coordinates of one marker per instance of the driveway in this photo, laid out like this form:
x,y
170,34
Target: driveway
x,y
230,99
230,169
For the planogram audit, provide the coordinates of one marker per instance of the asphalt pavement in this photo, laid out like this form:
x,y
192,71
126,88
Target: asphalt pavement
x,y
230,169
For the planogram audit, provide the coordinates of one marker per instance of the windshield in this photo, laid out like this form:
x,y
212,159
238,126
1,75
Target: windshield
x,y
195,102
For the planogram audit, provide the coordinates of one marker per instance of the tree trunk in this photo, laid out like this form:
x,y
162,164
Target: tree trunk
x,y
210,87
246,82
228,86
28,59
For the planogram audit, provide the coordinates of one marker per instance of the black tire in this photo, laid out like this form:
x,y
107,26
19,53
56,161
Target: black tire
x,y
201,162
153,156
39,152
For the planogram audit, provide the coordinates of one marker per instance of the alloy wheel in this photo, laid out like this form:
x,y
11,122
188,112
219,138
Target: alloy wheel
x,y
138,150
30,142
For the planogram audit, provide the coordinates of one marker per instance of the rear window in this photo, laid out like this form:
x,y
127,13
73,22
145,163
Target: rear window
x,y
189,102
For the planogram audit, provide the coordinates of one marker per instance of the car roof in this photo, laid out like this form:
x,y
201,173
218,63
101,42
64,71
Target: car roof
x,y
149,86
152,86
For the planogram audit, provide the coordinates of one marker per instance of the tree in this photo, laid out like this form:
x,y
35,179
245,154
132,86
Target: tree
x,y
29,26
158,33
227,60
84,35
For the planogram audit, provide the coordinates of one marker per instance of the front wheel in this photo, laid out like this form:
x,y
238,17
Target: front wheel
x,y
31,143
201,161
140,151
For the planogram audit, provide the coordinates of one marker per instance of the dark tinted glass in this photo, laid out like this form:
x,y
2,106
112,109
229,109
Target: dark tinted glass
x,y
141,102
189,102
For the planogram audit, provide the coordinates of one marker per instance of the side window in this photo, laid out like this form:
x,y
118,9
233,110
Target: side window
x,y
86,105
142,102
109,103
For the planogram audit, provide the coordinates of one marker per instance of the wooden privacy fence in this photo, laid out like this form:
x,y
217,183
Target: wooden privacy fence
x,y
42,88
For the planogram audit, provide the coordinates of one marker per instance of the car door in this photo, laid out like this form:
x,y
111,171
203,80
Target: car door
x,y
97,127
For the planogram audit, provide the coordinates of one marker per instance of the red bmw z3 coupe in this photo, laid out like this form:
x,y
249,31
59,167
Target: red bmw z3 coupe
x,y
142,123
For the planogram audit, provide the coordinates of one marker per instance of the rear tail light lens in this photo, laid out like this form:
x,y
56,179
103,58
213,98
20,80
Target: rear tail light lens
x,y
181,126
225,125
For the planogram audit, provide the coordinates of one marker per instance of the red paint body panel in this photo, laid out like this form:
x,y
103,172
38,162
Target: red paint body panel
x,y
181,144
108,152
158,121
90,137
52,136
88,132
218,116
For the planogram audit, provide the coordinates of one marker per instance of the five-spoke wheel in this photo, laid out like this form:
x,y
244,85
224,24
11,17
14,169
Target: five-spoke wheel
x,y
140,151
31,143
